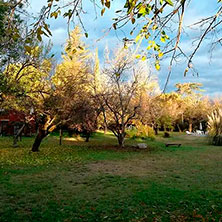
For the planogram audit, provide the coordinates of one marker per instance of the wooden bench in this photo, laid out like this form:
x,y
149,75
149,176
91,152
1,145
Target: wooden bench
x,y
173,144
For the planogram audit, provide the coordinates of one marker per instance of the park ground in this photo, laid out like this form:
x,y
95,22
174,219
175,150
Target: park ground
x,y
96,181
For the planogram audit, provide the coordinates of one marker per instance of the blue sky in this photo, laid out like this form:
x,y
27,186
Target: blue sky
x,y
209,68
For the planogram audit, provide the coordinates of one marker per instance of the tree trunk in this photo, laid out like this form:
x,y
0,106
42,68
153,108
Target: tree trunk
x,y
45,127
15,139
105,121
182,118
87,137
105,129
190,127
121,140
156,130
40,136
178,126
164,128
60,137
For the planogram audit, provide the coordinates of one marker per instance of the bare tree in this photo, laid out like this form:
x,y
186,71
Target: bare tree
x,y
126,81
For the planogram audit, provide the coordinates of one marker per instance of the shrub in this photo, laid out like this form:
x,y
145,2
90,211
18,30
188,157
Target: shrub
x,y
131,133
141,131
145,132
215,127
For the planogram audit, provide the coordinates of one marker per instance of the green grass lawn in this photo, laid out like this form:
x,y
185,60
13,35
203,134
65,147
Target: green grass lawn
x,y
95,181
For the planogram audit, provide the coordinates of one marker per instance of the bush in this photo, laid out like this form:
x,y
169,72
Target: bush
x,y
141,131
131,133
145,132
215,127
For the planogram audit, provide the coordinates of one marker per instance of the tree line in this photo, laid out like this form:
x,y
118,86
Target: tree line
x,y
83,94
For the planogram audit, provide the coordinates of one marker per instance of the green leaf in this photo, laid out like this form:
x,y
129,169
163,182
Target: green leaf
x,y
39,37
68,14
169,2
28,40
15,36
28,49
142,10
39,33
54,14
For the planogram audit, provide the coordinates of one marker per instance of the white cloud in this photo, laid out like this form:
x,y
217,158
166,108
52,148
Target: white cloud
x,y
59,36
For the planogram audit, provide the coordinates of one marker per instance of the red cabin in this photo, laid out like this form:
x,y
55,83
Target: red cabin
x,y
11,121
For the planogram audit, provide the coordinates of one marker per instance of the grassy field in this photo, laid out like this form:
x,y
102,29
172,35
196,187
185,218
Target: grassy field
x,y
95,181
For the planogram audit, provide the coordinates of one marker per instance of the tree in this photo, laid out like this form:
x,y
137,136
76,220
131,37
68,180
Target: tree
x,y
67,85
20,52
195,107
13,32
84,116
98,85
126,81
24,81
171,104
151,111
150,107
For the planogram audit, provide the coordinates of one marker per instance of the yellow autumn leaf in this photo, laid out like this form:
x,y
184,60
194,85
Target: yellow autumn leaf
x,y
102,11
154,27
143,58
162,39
157,66
137,38
160,54
149,47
